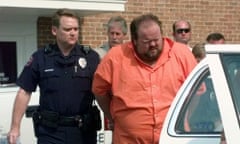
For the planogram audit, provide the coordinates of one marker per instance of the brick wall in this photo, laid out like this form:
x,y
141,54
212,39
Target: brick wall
x,y
205,16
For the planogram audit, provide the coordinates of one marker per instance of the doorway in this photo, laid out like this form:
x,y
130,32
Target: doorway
x,y
8,62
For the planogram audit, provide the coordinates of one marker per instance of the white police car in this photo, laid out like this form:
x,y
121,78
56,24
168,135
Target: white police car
x,y
208,101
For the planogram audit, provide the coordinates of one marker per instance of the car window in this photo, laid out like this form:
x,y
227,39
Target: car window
x,y
231,65
200,113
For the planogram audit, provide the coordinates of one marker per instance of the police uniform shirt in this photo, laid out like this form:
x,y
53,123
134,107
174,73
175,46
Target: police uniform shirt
x,y
64,81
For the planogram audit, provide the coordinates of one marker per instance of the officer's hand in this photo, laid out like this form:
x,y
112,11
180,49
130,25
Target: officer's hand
x,y
13,136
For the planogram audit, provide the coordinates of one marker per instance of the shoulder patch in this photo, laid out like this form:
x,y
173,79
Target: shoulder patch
x,y
29,61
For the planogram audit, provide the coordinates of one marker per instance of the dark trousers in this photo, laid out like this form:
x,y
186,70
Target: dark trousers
x,y
65,135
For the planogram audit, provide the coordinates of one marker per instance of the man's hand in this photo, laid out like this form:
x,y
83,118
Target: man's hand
x,y
13,136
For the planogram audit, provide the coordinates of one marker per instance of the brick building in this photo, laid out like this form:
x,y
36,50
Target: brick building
x,y
26,25
205,17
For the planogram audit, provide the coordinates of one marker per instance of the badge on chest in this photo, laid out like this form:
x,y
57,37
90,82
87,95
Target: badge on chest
x,y
82,62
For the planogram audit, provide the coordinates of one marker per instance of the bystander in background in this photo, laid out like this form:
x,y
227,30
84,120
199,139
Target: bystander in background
x,y
215,38
116,31
182,32
199,51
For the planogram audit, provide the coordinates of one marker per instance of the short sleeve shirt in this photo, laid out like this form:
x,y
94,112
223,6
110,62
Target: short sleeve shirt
x,y
64,81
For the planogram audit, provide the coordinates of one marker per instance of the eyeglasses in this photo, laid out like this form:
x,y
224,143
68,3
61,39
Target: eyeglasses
x,y
179,31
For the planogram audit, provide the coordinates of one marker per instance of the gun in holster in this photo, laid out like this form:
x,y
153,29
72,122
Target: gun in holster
x,y
32,112
45,118
92,120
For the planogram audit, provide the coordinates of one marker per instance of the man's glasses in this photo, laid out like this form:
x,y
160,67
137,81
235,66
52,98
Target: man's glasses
x,y
179,31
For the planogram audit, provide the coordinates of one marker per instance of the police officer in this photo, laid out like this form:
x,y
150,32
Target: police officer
x,y
63,72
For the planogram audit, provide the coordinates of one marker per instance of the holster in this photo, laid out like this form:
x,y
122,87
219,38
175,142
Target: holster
x,y
32,111
36,122
45,118
92,120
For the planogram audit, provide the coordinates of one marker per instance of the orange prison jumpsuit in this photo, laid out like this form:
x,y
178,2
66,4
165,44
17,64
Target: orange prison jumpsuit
x,y
142,94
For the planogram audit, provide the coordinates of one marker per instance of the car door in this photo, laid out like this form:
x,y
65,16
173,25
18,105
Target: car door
x,y
225,70
207,102
194,114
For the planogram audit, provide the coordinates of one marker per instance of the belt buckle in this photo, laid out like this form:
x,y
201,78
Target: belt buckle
x,y
79,121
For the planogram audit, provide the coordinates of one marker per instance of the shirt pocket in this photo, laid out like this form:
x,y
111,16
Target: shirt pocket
x,y
50,80
82,79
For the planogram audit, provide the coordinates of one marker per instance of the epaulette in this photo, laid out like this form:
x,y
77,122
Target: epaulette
x,y
48,49
86,49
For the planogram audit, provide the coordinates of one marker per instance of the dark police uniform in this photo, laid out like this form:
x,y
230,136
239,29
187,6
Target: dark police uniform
x,y
65,89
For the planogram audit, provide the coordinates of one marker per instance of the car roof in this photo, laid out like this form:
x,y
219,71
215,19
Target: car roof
x,y
222,48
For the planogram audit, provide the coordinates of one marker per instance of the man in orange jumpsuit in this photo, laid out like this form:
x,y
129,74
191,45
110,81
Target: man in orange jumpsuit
x,y
136,82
